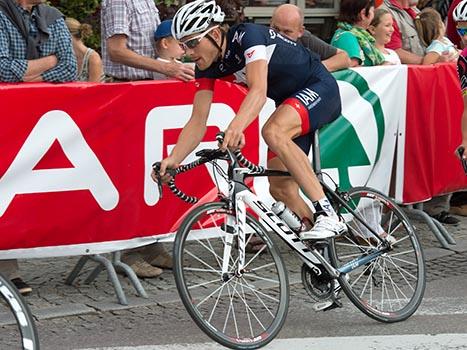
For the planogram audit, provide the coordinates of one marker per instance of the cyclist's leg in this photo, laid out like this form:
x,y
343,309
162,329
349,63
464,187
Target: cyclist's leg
x,y
279,131
286,190
308,109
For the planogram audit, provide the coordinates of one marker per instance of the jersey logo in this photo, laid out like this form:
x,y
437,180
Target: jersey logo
x,y
250,54
238,37
272,33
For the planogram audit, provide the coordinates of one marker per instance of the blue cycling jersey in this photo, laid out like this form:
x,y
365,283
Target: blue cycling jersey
x,y
291,67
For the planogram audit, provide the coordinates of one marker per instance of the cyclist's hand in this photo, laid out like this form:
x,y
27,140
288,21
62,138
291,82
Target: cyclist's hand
x,y
233,138
167,163
180,71
464,153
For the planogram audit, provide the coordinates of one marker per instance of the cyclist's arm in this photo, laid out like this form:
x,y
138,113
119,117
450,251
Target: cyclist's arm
x,y
464,123
256,77
193,132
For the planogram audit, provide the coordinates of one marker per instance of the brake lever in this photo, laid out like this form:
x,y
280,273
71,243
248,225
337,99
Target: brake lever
x,y
460,152
157,168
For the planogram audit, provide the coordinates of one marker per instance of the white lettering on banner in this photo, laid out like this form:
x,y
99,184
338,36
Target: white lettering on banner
x,y
175,117
87,174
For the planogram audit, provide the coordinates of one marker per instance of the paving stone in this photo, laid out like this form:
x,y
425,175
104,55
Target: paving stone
x,y
62,311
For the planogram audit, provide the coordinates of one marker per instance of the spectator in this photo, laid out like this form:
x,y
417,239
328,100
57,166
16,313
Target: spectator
x,y
129,54
89,61
128,42
431,31
381,28
234,11
35,44
405,40
288,20
351,35
451,31
168,49
10,269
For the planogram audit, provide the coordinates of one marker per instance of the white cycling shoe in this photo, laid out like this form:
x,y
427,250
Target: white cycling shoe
x,y
325,227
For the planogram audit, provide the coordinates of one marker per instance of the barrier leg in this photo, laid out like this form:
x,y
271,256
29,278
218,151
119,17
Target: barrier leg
x,y
116,256
112,277
440,236
74,273
444,232
93,275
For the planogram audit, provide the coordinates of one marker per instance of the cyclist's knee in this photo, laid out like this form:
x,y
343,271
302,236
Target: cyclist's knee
x,y
273,136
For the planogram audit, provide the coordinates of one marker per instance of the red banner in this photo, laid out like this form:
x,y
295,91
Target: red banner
x,y
433,131
76,158
73,165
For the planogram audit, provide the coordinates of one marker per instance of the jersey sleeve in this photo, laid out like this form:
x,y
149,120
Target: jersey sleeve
x,y
253,44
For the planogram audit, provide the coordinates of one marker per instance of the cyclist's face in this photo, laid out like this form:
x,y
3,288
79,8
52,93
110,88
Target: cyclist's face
x,y
200,49
462,31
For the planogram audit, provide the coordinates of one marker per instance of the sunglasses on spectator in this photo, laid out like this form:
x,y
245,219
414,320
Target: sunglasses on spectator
x,y
462,31
193,42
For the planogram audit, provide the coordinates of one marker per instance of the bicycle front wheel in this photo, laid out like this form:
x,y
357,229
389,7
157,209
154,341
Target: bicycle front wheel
x,y
390,287
243,311
18,331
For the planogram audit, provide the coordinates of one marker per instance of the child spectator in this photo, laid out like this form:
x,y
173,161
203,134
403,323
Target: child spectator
x,y
381,27
432,32
89,62
167,47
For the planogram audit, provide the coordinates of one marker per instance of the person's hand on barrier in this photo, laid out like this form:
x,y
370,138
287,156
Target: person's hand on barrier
x,y
180,71
233,138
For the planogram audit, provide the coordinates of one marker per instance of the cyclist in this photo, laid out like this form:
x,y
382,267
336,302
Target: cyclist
x,y
460,17
305,93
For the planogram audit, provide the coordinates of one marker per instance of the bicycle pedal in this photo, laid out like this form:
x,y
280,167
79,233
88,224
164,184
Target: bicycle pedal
x,y
327,305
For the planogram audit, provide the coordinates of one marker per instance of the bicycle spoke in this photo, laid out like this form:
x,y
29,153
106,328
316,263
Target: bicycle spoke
x,y
204,284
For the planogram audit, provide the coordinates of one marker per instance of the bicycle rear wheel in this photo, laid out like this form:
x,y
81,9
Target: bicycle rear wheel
x,y
389,288
17,327
246,311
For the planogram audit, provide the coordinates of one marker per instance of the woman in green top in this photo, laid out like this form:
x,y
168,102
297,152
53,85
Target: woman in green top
x,y
351,35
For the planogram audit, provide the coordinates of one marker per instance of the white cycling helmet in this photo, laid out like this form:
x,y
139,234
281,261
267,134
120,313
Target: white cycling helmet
x,y
195,17
460,12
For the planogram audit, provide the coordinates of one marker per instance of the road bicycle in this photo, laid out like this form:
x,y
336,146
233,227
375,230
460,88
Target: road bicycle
x,y
18,330
240,299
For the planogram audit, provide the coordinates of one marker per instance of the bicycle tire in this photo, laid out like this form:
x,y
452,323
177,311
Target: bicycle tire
x,y
389,288
245,304
23,316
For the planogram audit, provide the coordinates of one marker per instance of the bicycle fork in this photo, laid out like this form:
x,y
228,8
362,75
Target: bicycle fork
x,y
236,226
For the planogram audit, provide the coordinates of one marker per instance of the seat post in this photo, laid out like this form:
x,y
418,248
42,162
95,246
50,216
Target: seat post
x,y
316,155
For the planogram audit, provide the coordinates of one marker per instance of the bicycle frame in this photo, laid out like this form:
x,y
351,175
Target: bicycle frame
x,y
243,198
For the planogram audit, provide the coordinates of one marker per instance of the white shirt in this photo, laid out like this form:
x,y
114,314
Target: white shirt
x,y
391,56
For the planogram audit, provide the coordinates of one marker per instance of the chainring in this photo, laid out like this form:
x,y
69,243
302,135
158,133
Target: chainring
x,y
318,286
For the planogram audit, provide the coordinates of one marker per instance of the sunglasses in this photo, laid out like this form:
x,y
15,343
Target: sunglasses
x,y
462,31
193,42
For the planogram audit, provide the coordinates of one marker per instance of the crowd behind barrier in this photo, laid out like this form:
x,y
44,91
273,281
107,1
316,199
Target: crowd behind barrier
x,y
80,172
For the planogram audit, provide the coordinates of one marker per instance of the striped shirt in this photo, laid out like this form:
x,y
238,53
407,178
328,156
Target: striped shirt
x,y
137,19
13,51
